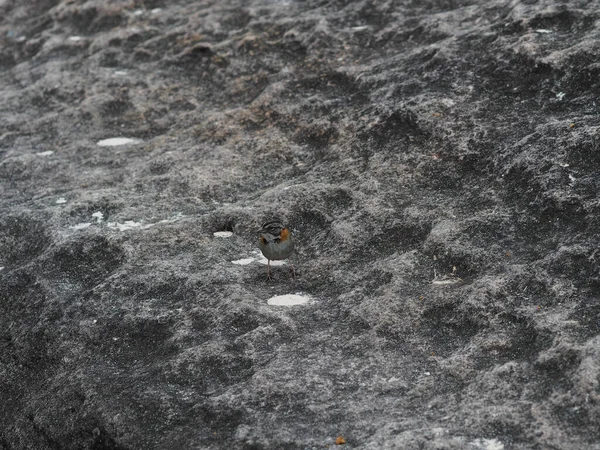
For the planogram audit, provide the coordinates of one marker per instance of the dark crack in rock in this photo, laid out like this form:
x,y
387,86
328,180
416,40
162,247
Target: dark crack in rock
x,y
438,163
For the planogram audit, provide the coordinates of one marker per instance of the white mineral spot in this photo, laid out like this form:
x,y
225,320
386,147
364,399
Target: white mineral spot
x,y
288,300
446,281
131,224
46,153
223,234
560,95
156,10
127,225
120,73
243,262
488,444
573,179
138,12
113,142
2,268
81,226
543,31
178,216
60,201
360,28
75,38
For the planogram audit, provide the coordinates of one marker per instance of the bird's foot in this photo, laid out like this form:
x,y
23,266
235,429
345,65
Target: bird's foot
x,y
269,277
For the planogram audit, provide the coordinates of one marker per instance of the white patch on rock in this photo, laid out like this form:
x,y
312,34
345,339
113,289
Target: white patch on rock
x,y
98,215
2,268
127,225
222,234
61,200
75,38
288,300
138,12
113,142
441,280
445,281
243,262
560,95
156,10
132,224
46,153
120,73
81,226
543,31
487,444
175,218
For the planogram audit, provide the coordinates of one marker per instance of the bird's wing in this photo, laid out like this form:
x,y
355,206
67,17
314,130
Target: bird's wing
x,y
269,237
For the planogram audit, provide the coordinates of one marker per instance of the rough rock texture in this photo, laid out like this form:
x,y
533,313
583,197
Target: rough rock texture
x,y
438,161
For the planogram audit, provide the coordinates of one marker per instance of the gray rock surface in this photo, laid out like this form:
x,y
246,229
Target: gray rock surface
x,y
438,161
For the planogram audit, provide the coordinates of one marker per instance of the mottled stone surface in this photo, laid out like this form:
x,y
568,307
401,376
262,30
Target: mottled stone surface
x,y
438,160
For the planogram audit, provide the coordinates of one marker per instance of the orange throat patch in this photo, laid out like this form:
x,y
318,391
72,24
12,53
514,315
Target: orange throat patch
x,y
284,235
263,241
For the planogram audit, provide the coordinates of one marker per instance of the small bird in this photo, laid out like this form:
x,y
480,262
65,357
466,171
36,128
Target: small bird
x,y
275,243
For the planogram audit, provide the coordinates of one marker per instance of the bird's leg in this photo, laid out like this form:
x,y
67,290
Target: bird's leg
x,y
292,270
269,277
